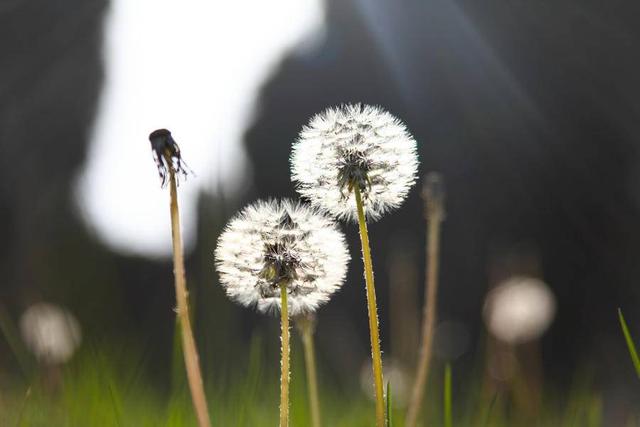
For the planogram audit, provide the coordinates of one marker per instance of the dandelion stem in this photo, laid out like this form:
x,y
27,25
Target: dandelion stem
x,y
190,352
306,324
434,212
284,363
376,356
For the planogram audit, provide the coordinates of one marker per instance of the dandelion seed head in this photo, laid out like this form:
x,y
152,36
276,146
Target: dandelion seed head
x,y
519,309
50,332
354,145
273,243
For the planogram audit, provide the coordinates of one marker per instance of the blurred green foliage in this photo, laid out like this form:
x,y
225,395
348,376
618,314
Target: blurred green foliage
x,y
633,352
103,387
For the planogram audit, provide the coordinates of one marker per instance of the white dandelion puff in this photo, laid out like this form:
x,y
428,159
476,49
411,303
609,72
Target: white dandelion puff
x,y
519,309
50,332
281,243
353,145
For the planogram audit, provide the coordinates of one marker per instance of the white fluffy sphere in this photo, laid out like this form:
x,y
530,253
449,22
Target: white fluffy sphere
x,y
519,310
358,144
281,242
51,333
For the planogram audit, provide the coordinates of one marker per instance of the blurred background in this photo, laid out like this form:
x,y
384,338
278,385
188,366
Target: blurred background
x,y
529,110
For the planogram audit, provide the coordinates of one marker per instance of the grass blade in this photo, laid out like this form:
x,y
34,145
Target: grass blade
x,y
490,408
23,406
389,416
447,396
632,348
11,334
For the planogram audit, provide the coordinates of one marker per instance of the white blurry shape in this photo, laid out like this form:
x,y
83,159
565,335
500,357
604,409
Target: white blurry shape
x,y
51,332
194,68
519,309
394,374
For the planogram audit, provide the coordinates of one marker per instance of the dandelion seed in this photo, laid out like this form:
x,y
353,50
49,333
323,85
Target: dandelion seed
x,y
354,145
519,310
281,243
50,332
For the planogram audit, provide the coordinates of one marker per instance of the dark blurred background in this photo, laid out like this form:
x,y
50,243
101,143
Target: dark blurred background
x,y
530,110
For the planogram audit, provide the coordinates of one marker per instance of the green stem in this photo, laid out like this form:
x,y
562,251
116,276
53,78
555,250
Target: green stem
x,y
447,396
376,356
310,363
284,363
633,353
189,349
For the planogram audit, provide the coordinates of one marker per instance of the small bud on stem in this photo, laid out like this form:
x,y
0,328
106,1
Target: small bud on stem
x,y
166,150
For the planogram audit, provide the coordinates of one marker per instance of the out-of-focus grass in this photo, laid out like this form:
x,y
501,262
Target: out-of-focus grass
x,y
99,389
108,386
102,388
389,406
447,409
633,353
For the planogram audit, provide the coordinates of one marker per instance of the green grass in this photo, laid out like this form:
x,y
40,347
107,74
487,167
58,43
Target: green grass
x,y
100,388
112,385
389,406
447,398
88,400
633,353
